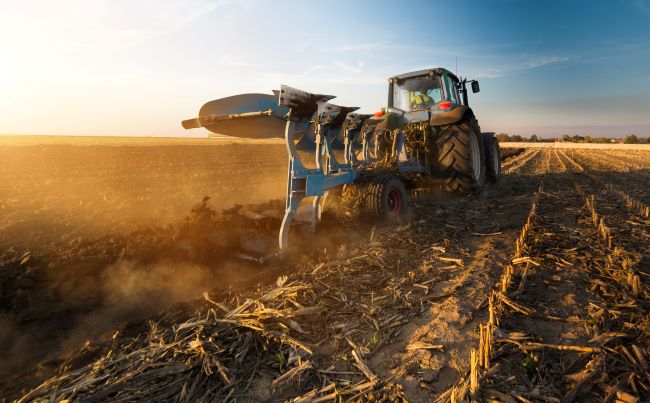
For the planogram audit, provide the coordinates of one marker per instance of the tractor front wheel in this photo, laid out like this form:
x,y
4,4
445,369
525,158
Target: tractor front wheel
x,y
387,199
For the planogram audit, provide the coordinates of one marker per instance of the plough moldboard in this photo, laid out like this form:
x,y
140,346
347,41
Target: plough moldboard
x,y
308,123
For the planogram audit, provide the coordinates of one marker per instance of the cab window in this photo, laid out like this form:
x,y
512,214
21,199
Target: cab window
x,y
435,94
452,90
417,93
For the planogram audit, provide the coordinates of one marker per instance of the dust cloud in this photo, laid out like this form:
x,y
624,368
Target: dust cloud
x,y
106,226
132,292
113,239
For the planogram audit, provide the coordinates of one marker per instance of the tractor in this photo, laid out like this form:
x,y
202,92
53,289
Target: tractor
x,y
426,137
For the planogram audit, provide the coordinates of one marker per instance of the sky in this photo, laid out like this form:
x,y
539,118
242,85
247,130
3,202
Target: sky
x,y
123,67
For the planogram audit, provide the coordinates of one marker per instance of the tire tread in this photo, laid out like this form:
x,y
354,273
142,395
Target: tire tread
x,y
454,156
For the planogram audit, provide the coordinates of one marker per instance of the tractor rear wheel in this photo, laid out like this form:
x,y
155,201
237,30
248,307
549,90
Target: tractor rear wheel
x,y
492,158
387,198
461,156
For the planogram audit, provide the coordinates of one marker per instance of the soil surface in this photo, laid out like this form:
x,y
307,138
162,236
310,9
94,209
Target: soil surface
x,y
107,250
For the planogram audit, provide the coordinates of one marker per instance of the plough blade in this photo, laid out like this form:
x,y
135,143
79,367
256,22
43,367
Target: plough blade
x,y
303,104
254,116
334,114
352,124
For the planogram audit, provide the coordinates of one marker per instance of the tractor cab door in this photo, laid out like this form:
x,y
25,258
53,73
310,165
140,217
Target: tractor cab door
x,y
451,89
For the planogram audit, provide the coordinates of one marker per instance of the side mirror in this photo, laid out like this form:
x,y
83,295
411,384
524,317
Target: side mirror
x,y
475,87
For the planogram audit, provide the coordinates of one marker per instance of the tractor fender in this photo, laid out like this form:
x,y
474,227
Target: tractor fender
x,y
389,121
439,118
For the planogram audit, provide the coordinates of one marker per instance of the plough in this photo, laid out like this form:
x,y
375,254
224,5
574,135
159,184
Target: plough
x,y
427,133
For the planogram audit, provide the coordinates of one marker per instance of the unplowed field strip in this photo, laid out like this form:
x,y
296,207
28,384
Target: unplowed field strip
x,y
618,163
556,164
634,159
570,281
520,161
568,315
618,175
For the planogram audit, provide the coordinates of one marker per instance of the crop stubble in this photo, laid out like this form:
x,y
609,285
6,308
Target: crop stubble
x,y
535,290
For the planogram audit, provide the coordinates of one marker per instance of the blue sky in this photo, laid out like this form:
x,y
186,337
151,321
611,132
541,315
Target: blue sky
x,y
117,67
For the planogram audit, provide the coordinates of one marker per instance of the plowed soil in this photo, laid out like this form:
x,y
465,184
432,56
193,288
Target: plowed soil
x,y
108,249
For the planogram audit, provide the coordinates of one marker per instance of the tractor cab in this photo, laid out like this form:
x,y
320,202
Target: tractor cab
x,y
435,90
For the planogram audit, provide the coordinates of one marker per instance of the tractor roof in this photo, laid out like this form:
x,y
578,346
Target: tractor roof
x,y
420,73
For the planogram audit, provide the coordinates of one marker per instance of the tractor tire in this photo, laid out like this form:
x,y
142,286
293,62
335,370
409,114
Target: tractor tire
x,y
492,157
461,156
387,199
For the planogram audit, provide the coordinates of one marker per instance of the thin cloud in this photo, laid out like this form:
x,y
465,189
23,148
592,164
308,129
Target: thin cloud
x,y
358,68
376,48
542,61
361,47
170,18
642,5
523,65
76,27
316,76
314,68
363,79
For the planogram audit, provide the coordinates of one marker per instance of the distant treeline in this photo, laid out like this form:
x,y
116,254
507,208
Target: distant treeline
x,y
629,139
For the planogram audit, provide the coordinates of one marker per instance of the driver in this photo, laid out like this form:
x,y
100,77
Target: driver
x,y
419,100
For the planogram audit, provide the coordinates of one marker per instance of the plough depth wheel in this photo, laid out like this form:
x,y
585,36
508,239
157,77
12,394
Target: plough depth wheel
x,y
387,198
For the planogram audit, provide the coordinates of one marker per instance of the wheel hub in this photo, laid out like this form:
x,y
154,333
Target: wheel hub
x,y
394,201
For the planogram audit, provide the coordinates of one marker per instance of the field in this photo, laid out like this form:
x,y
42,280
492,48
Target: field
x,y
121,282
